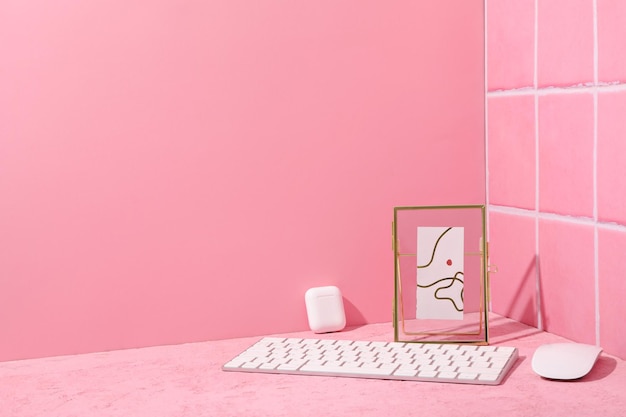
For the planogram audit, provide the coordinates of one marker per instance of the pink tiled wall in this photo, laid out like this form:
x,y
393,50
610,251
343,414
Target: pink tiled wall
x,y
556,144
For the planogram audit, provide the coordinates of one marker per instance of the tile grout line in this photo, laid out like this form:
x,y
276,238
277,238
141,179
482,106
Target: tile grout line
x,y
486,133
544,91
596,261
538,304
580,220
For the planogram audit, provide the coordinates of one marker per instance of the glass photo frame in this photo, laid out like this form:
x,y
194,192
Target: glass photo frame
x,y
441,274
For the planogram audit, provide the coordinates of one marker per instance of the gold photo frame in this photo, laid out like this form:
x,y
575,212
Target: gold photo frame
x,y
441,274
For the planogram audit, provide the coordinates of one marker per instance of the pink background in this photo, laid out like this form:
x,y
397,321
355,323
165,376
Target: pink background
x,y
177,171
556,140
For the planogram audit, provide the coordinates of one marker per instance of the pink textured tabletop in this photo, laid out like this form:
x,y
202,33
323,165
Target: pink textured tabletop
x,y
187,380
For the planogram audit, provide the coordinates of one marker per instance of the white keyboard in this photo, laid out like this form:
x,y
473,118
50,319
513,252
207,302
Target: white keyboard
x,y
467,364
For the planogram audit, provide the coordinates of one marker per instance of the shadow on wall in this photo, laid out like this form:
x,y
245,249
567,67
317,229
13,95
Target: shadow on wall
x,y
354,317
540,298
521,308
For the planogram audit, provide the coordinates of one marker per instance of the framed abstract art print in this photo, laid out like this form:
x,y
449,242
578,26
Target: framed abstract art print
x,y
441,279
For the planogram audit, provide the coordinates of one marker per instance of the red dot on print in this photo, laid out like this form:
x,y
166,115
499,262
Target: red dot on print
x,y
449,261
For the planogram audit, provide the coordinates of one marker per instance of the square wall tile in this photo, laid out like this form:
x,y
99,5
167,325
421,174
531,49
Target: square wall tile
x,y
567,283
511,136
566,154
565,42
510,44
612,288
611,157
512,250
611,44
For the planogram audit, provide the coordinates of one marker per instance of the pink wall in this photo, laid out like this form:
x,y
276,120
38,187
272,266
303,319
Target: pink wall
x,y
556,156
176,171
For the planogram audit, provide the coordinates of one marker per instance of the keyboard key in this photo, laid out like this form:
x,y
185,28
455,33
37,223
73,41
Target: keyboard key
x,y
250,365
269,365
467,376
334,370
405,372
447,375
487,377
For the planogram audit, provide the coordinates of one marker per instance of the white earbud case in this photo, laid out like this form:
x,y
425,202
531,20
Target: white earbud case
x,y
324,308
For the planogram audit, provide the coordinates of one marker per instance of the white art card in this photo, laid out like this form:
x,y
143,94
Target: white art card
x,y
440,273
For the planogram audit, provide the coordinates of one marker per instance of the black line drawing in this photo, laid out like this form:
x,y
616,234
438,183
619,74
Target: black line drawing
x,y
440,278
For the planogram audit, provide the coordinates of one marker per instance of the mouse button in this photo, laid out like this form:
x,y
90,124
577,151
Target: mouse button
x,y
564,361
545,362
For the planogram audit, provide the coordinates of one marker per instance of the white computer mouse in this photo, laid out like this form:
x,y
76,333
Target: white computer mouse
x,y
565,360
